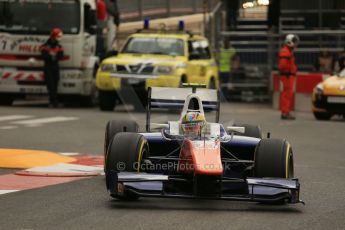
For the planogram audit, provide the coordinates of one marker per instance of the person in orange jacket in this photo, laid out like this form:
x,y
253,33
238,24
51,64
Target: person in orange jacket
x,y
287,72
101,10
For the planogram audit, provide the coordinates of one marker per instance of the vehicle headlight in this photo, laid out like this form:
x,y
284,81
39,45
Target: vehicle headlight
x,y
164,69
108,68
181,66
319,89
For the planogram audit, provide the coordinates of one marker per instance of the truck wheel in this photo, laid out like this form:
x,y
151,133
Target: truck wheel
x,y
322,116
251,130
182,81
6,100
114,127
212,84
125,154
273,158
107,100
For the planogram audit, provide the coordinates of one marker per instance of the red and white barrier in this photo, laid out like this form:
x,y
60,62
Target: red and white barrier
x,y
23,76
304,85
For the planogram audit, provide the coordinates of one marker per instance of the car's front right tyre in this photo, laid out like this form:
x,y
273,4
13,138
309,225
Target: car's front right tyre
x,y
126,153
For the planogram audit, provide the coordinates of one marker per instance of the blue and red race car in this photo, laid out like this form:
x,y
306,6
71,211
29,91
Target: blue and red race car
x,y
194,158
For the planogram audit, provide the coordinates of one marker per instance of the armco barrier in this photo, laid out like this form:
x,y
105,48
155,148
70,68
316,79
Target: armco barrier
x,y
304,85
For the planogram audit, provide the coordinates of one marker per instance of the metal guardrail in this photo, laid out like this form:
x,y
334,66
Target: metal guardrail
x,y
137,10
260,49
312,18
257,44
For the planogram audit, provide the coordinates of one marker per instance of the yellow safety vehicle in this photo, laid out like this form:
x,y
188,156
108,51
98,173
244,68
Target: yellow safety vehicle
x,y
155,58
329,97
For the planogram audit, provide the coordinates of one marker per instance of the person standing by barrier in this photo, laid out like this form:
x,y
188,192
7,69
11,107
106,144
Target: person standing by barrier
x,y
101,28
325,62
287,71
226,54
113,10
340,64
52,53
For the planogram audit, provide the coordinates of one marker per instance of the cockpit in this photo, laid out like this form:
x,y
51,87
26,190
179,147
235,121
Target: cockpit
x,y
192,123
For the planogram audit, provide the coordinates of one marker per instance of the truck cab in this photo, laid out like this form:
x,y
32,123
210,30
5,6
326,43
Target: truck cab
x,y
25,26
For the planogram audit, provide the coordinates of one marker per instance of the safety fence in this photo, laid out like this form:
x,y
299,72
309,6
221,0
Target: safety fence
x,y
259,49
311,19
137,10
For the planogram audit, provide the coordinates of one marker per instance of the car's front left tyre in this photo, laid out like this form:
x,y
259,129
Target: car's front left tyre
x,y
273,158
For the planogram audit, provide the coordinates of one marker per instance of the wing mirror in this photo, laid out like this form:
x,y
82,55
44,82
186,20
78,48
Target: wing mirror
x,y
157,126
235,129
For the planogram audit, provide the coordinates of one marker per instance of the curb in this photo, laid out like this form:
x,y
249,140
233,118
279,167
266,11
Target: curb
x,y
55,174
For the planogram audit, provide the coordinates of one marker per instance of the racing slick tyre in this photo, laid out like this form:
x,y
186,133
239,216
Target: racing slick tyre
x,y
322,116
125,154
273,158
114,127
107,100
251,130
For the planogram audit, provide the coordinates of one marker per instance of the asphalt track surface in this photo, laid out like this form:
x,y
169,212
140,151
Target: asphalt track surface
x,y
319,150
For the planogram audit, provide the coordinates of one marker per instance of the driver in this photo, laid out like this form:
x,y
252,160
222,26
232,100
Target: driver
x,y
193,124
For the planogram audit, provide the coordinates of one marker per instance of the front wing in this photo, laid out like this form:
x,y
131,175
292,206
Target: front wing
x,y
259,189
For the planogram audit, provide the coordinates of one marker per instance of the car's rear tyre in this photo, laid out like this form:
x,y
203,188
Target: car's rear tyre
x,y
251,130
125,154
273,158
107,100
324,116
114,127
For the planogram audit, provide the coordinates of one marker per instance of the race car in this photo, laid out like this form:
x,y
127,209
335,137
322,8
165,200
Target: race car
x,y
195,158
155,58
329,97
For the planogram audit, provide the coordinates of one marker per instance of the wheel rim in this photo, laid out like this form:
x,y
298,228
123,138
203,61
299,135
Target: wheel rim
x,y
291,168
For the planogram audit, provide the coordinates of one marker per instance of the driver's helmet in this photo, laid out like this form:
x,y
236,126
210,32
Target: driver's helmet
x,y
193,123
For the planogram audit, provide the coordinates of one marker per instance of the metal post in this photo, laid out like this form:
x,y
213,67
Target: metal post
x,y
140,9
320,14
205,17
168,5
195,6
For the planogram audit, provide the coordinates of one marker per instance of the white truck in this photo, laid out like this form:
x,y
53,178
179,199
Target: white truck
x,y
25,26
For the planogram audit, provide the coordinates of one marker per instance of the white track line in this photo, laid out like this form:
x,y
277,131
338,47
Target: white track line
x,y
7,191
70,154
8,127
14,117
39,121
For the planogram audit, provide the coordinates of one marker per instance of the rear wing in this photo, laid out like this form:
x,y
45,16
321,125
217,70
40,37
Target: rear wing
x,y
174,98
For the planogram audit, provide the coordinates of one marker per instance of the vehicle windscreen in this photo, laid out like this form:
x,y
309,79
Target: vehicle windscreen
x,y
39,16
155,45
